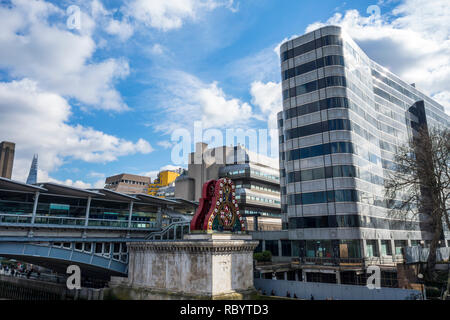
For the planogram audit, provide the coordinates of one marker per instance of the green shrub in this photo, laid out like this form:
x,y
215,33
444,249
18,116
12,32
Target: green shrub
x,y
433,292
262,256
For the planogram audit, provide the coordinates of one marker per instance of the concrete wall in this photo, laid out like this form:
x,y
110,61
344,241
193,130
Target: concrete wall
x,y
322,291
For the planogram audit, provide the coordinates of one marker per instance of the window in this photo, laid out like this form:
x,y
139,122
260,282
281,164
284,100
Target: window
x,y
372,248
272,246
286,248
386,249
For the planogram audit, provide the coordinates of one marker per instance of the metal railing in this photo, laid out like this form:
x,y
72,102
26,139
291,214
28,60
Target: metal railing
x,y
174,231
6,218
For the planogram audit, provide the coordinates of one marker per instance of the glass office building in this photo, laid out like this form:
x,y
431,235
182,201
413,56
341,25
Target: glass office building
x,y
343,118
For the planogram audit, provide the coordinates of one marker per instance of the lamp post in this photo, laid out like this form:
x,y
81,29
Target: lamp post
x,y
422,283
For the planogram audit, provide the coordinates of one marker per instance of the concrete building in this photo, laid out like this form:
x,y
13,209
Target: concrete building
x,y
343,118
6,158
256,178
128,183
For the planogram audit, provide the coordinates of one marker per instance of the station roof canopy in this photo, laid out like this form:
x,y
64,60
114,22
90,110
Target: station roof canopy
x,y
13,185
114,195
185,202
155,200
68,191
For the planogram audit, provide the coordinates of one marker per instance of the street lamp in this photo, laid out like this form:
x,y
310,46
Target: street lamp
x,y
422,283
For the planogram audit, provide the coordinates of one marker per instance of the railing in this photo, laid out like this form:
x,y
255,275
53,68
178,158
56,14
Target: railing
x,y
174,231
330,261
72,221
349,261
15,218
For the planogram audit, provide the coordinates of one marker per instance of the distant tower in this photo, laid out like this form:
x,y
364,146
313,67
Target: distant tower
x,y
32,176
6,158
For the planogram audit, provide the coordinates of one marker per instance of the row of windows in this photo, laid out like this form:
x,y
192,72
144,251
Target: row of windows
x,y
252,172
336,102
342,103
312,45
395,86
336,147
257,187
389,97
351,221
332,81
345,171
319,127
128,182
320,150
249,212
323,197
260,199
313,65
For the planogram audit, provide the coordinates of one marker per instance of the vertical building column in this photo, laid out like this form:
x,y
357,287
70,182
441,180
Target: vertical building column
x,y
380,254
393,249
88,208
280,249
36,199
130,214
263,245
159,217
364,248
296,274
338,277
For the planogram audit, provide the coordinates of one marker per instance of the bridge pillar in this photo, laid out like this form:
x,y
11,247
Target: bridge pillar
x,y
88,208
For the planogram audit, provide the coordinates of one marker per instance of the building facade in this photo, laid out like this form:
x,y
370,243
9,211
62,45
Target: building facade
x,y
163,185
256,178
128,183
343,118
6,158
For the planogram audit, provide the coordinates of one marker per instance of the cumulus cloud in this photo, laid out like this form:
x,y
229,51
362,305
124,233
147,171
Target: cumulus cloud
x,y
57,58
165,144
38,122
186,99
412,41
170,14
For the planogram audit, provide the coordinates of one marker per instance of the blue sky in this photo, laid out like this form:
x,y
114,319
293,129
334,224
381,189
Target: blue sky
x,y
103,99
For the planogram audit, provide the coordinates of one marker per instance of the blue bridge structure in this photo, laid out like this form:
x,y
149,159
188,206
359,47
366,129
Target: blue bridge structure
x,y
54,226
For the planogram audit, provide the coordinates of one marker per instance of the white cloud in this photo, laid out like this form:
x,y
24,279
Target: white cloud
x,y
187,99
412,41
165,144
57,58
37,121
171,14
267,97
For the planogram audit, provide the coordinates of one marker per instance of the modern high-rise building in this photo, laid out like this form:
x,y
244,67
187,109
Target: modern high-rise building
x,y
32,175
256,178
6,159
343,118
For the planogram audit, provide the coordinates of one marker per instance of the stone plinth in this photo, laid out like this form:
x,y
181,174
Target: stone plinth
x,y
202,266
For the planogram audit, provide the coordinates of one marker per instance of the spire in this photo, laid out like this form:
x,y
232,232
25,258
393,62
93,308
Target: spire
x,y
32,176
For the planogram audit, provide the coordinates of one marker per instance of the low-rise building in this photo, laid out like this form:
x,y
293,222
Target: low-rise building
x,y
127,183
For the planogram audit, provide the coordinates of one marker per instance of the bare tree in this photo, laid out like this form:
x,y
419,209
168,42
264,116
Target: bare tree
x,y
421,181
